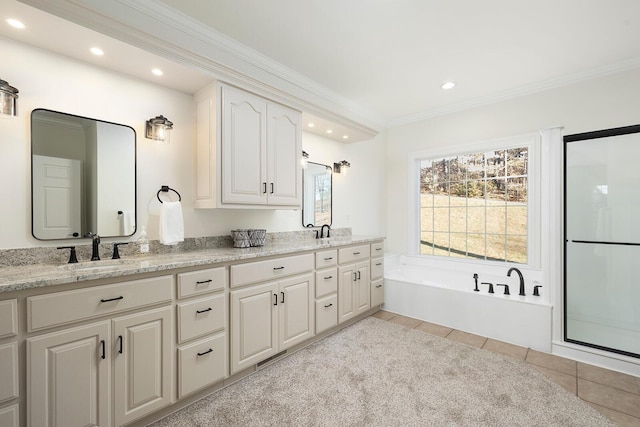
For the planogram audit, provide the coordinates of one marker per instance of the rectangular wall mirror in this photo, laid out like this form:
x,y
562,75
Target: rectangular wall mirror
x,y
83,177
316,195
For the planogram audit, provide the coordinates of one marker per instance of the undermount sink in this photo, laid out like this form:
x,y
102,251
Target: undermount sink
x,y
97,265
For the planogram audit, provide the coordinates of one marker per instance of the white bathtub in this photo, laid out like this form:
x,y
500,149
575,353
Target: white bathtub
x,y
445,296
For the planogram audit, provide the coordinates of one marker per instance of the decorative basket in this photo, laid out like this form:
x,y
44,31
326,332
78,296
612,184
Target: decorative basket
x,y
240,238
257,237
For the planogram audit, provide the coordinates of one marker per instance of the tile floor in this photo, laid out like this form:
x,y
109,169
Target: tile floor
x,y
615,395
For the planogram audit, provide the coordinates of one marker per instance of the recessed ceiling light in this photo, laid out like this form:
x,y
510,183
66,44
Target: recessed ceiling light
x,y
157,71
345,136
448,85
311,125
15,23
97,51
329,131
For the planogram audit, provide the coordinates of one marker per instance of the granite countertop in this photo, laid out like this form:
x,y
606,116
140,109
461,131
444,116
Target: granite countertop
x,y
41,275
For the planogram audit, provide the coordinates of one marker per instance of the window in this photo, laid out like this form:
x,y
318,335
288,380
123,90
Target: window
x,y
476,205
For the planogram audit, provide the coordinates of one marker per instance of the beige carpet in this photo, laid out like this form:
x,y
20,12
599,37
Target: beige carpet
x,y
377,373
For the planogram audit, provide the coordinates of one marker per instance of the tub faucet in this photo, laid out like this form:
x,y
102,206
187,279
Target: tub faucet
x,y
322,231
521,279
95,254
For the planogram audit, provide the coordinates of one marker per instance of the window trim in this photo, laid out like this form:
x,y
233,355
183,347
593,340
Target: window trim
x,y
532,141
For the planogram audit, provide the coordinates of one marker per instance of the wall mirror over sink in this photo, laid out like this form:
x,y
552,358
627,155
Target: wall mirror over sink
x,y
316,195
83,177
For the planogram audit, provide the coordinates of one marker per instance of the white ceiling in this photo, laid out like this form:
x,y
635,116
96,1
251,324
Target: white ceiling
x,y
387,58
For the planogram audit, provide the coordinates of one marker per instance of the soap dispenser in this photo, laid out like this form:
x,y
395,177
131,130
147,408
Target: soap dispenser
x,y
143,243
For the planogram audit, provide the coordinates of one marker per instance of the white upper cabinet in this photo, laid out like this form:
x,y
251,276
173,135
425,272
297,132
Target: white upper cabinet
x,y
247,152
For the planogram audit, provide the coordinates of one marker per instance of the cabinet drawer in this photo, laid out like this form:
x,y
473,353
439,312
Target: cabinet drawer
x,y
200,317
377,249
355,253
201,282
262,271
8,318
377,268
326,313
201,364
8,372
58,308
377,292
326,282
9,417
326,259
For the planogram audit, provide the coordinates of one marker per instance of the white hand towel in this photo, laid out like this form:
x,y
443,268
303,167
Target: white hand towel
x,y
127,223
171,223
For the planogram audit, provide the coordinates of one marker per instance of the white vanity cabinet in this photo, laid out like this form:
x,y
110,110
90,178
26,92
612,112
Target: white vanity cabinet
x,y
71,372
9,366
248,151
274,313
354,284
202,329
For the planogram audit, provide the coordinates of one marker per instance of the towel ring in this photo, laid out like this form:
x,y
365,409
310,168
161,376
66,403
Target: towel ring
x,y
165,189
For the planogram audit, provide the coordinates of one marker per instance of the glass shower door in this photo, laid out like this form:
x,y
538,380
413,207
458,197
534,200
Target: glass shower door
x,y
602,240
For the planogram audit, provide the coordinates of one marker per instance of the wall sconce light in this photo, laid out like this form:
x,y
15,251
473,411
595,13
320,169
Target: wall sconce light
x,y
304,161
159,129
341,167
8,100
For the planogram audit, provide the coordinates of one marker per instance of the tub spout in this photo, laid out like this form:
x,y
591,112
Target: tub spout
x,y
490,286
512,269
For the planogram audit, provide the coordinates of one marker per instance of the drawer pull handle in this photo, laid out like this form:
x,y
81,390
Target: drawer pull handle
x,y
356,253
328,258
103,345
111,299
378,264
282,297
205,352
120,339
328,305
378,286
275,301
328,277
278,268
203,311
378,249
359,275
200,282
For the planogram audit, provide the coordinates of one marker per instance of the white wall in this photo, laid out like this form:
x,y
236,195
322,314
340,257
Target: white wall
x,y
601,103
48,80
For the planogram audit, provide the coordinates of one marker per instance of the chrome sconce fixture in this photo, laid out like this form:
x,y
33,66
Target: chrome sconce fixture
x,y
8,100
304,161
341,167
159,129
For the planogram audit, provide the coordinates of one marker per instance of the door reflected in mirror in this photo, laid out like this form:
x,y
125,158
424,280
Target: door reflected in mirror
x,y
83,177
316,195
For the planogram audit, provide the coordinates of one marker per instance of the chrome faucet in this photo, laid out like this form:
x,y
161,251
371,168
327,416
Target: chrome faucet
x,y
328,231
521,279
95,254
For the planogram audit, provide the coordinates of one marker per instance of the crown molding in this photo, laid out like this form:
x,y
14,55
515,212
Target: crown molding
x,y
162,30
537,87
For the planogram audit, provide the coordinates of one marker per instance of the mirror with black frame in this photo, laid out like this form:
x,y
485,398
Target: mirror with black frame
x,y
316,195
83,177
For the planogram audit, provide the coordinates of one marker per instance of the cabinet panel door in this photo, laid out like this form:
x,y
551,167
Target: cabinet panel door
x,y
254,325
68,378
284,150
143,377
295,306
201,364
8,371
244,142
377,292
363,288
346,292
